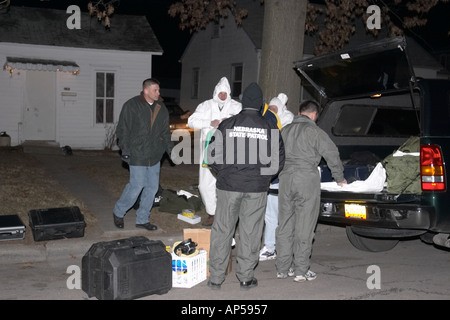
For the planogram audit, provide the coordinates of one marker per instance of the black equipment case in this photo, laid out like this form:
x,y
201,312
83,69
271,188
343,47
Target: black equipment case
x,y
126,269
56,223
11,227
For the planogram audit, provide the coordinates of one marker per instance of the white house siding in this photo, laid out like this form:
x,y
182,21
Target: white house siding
x,y
215,58
11,95
75,115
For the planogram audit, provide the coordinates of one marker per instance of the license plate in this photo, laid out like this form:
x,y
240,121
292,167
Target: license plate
x,y
355,211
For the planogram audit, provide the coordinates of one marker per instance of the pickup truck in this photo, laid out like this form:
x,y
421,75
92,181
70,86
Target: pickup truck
x,y
372,103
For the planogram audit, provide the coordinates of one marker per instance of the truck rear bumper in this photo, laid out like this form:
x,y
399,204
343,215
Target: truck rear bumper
x,y
387,216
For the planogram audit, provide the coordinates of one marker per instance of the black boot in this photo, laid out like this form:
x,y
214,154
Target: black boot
x,y
118,222
209,221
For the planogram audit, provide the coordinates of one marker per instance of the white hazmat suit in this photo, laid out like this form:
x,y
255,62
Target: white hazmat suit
x,y
283,113
204,114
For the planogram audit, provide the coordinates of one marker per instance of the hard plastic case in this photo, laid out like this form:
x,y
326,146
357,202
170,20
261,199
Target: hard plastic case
x,y
56,223
11,227
126,269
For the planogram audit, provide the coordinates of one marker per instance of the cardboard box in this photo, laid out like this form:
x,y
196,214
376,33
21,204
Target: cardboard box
x,y
203,239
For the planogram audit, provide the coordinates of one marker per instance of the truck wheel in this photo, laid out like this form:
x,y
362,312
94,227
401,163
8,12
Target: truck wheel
x,y
370,244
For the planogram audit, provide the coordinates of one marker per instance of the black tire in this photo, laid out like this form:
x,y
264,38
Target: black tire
x,y
370,244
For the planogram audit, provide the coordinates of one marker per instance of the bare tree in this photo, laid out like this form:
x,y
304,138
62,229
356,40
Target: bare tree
x,y
283,34
4,5
340,17
102,9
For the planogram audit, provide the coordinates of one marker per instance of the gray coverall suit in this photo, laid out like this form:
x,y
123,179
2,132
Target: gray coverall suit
x,y
299,191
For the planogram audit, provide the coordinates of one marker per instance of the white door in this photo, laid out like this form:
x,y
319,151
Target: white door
x,y
39,116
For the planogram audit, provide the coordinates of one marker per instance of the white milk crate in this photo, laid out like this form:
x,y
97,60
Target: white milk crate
x,y
188,271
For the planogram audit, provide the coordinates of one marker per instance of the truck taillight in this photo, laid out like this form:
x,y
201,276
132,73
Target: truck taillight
x,y
432,168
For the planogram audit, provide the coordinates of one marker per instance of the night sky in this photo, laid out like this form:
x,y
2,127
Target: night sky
x,y
433,37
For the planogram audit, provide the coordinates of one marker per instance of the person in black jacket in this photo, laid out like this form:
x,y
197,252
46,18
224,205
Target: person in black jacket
x,y
143,135
246,154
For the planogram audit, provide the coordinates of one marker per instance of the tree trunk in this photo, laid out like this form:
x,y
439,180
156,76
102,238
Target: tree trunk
x,y
282,44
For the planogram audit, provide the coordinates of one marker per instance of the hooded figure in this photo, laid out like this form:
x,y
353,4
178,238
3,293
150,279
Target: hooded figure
x,y
283,113
278,106
207,117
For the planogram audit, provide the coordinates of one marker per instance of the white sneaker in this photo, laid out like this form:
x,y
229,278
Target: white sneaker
x,y
266,254
308,276
290,273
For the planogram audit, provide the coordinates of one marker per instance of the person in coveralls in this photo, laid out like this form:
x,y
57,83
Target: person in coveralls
x,y
299,191
207,117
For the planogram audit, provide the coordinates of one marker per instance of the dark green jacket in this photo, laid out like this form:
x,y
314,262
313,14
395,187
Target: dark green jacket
x,y
143,131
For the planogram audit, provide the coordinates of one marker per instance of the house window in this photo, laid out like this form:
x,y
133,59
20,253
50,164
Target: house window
x,y
195,83
215,30
236,80
104,97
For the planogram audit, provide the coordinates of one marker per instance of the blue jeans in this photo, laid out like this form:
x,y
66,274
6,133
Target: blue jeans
x,y
145,179
271,219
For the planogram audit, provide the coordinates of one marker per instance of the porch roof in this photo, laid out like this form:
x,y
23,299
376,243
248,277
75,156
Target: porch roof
x,y
13,63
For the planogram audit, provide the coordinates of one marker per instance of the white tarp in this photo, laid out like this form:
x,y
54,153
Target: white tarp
x,y
374,183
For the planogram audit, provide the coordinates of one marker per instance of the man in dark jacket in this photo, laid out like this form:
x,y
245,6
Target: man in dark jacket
x,y
248,153
143,135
